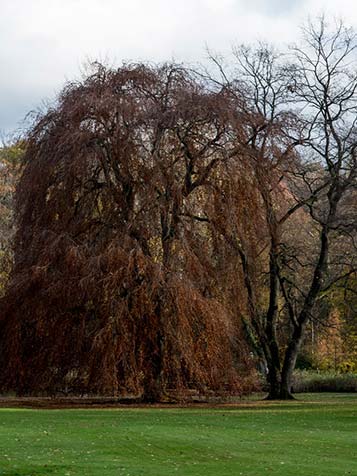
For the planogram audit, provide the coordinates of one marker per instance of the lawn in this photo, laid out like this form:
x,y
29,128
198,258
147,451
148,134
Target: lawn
x,y
317,436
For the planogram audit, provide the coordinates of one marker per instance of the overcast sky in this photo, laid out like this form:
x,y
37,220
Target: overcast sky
x,y
43,43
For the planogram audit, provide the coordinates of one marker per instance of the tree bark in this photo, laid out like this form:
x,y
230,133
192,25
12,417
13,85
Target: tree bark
x,y
289,362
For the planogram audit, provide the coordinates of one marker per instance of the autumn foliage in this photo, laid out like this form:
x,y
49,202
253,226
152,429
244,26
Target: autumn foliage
x,y
118,286
177,229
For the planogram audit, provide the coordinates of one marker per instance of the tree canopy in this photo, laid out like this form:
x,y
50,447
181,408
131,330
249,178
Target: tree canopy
x,y
117,281
176,227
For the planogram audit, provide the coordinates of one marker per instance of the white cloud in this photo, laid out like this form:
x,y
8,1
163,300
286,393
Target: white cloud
x,y
44,42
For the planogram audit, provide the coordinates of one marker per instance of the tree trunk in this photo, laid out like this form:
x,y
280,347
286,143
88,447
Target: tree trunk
x,y
274,384
154,385
154,390
290,361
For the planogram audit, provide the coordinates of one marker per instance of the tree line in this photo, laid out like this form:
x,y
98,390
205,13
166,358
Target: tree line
x,y
176,227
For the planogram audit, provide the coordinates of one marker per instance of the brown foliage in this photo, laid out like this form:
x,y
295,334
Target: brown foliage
x,y
116,286
10,158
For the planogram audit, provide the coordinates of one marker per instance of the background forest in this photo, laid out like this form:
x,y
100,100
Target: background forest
x,y
177,229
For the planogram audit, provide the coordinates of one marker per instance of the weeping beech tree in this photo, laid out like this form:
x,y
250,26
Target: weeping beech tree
x,y
161,211
118,285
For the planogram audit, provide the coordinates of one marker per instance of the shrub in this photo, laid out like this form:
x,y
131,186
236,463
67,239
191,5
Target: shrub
x,y
307,381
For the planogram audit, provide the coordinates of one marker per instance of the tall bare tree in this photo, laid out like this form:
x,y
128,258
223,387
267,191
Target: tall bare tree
x,y
325,87
300,170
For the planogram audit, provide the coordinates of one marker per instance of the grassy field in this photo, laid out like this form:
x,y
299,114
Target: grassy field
x,y
317,436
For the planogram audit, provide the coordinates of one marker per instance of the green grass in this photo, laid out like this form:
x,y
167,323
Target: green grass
x,y
314,437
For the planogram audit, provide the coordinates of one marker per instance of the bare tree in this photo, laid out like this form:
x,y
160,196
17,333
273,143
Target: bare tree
x,y
325,86
300,171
